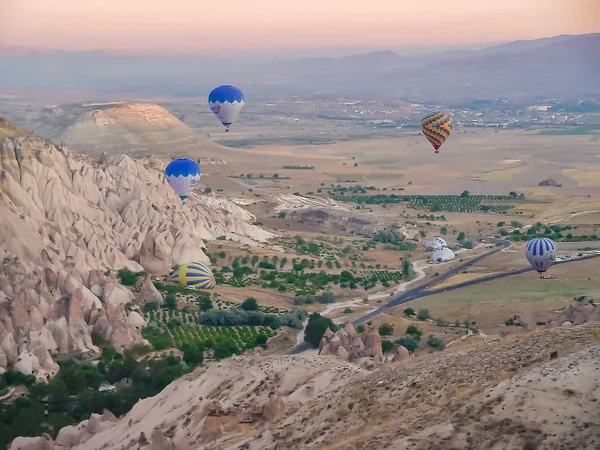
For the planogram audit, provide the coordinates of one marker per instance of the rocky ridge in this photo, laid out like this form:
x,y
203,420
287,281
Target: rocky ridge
x,y
533,390
66,221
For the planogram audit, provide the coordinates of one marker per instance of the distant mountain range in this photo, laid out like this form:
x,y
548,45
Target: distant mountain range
x,y
564,67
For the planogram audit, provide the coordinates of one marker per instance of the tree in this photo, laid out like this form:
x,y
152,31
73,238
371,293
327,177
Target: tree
x,y
170,302
193,355
409,312
207,191
222,255
500,224
444,230
513,194
436,343
387,346
467,244
406,268
275,175
205,303
348,311
150,306
408,342
360,328
385,329
461,236
250,304
254,260
414,332
464,194
423,314
317,324
261,339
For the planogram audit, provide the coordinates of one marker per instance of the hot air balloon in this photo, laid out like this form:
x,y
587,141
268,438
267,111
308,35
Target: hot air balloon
x,y
541,254
226,103
442,254
435,243
436,127
183,175
193,274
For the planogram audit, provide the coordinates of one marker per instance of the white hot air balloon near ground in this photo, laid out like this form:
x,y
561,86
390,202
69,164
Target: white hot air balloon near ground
x,y
541,254
442,254
183,175
435,243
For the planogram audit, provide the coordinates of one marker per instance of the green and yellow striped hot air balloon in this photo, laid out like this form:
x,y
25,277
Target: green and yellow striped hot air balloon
x,y
194,274
436,127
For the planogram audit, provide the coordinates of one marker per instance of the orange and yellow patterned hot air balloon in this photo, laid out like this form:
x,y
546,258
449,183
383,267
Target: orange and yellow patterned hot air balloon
x,y
436,127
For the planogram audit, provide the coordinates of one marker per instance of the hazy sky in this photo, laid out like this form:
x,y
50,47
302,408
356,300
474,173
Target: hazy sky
x,y
202,25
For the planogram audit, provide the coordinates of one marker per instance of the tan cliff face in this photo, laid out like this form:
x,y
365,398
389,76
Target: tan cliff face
x,y
65,219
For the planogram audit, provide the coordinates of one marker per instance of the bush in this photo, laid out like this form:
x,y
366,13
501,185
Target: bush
x,y
423,314
348,311
387,346
414,332
360,328
385,329
408,342
461,236
436,343
409,312
250,304
128,278
467,244
171,302
193,355
205,304
261,339
317,324
150,306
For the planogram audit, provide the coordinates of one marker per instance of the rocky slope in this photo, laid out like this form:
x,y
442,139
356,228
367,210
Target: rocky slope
x,y
536,390
65,219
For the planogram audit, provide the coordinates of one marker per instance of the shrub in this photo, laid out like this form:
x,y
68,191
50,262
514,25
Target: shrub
x,y
360,328
193,355
387,346
205,304
385,329
250,304
414,332
317,324
409,312
348,311
171,302
436,343
408,342
423,314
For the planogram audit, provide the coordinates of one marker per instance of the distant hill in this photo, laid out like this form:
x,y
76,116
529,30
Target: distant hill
x,y
566,67
128,128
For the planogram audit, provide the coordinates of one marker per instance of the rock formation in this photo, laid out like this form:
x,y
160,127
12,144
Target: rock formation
x,y
350,346
549,182
66,219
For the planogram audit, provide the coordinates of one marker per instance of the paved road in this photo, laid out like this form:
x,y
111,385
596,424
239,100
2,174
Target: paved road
x,y
420,291
412,294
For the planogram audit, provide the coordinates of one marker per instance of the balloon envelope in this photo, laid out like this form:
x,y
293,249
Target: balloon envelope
x,y
226,103
194,274
183,175
436,127
541,253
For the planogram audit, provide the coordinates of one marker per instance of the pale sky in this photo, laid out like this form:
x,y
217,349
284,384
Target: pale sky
x,y
209,25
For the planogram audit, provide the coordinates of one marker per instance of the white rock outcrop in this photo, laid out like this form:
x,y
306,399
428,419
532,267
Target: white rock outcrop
x,y
66,219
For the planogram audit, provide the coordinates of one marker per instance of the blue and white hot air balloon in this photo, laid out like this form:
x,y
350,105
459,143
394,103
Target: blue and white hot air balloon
x,y
541,253
226,103
183,175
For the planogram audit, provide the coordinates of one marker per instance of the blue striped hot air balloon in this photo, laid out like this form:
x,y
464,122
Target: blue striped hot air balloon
x,y
194,274
183,175
541,253
226,103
